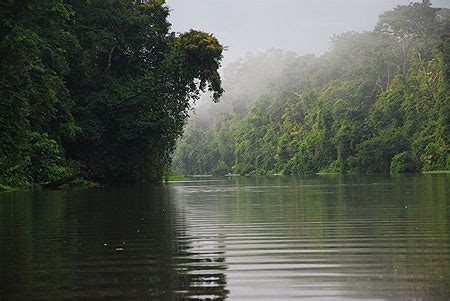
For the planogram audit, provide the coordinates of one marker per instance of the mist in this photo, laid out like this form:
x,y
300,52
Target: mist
x,y
254,30
294,25
295,71
225,149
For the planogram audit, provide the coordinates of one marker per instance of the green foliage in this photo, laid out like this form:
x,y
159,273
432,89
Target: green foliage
x,y
104,83
405,162
375,154
242,169
5,188
376,102
334,167
435,156
220,169
171,176
15,171
32,89
46,159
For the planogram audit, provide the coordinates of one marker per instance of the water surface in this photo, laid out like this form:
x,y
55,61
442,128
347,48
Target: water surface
x,y
330,238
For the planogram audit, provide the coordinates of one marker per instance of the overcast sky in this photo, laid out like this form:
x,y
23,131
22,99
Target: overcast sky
x,y
304,26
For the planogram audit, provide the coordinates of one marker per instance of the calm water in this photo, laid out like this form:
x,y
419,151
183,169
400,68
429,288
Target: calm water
x,y
342,238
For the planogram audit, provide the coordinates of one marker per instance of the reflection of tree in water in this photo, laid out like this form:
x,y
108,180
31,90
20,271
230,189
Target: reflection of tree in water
x,y
403,224
361,237
101,244
201,264
31,243
143,229
201,267
367,237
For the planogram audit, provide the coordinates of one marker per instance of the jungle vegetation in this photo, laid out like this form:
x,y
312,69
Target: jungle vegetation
x,y
97,87
376,102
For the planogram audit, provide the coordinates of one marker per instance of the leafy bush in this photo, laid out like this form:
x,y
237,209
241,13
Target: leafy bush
x,y
241,168
334,167
221,169
405,162
375,155
4,188
46,159
14,171
434,156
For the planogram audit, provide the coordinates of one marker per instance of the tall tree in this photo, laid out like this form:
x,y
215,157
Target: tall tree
x,y
106,82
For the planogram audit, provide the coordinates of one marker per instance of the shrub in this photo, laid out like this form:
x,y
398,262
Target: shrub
x,y
46,158
405,162
334,167
220,169
434,156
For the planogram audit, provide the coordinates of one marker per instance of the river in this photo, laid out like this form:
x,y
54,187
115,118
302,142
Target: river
x,y
274,238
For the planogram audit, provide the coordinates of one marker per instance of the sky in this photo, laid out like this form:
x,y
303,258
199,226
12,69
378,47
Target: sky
x,y
303,26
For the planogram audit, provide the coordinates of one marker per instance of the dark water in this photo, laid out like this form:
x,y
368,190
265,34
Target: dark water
x,y
378,238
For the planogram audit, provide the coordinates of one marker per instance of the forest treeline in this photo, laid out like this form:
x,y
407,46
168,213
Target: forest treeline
x,y
376,102
97,87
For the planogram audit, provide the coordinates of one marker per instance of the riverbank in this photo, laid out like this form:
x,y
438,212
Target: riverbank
x,y
84,183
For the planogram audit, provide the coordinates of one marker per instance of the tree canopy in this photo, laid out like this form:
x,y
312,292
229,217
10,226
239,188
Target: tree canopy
x,y
377,102
102,86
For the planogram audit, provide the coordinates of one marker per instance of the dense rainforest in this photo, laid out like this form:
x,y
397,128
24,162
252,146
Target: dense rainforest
x,y
376,102
98,88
